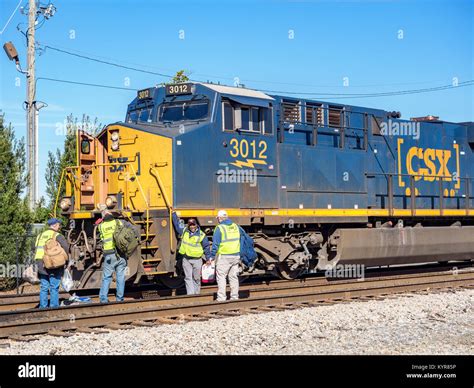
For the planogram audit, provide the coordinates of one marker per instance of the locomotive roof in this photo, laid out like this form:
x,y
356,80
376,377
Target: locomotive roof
x,y
238,91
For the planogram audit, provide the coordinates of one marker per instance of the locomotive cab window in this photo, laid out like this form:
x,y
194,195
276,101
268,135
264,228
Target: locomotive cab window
x,y
376,123
247,119
132,116
228,120
85,147
184,111
140,115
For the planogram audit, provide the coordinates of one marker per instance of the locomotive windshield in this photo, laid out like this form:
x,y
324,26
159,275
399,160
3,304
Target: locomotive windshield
x,y
140,115
183,110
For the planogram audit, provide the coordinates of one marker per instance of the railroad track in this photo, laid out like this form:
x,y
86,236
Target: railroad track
x,y
11,302
274,296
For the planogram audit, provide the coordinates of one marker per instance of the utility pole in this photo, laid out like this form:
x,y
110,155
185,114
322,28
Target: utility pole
x,y
35,10
31,137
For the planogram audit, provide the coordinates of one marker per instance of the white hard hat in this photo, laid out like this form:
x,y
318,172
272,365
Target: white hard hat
x,y
221,213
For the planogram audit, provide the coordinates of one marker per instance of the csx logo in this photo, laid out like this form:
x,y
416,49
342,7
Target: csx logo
x,y
428,164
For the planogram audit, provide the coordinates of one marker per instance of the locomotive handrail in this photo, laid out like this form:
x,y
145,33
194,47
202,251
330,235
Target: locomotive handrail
x,y
439,178
368,174
325,108
156,174
344,119
95,166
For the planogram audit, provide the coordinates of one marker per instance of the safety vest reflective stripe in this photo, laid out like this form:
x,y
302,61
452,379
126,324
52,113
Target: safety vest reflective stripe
x,y
106,230
191,245
41,241
230,241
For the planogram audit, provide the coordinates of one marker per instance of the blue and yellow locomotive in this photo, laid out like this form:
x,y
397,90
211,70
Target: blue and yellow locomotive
x,y
314,183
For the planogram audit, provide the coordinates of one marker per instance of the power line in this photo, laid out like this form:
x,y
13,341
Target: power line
x,y
106,62
94,58
338,96
86,84
280,92
370,95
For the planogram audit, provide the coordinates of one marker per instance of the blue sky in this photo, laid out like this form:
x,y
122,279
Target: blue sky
x,y
376,46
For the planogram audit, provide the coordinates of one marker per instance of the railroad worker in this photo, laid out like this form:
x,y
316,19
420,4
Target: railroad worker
x,y
194,245
113,262
50,279
226,250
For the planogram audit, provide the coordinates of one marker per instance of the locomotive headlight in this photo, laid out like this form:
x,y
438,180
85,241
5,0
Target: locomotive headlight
x,y
65,203
110,201
114,136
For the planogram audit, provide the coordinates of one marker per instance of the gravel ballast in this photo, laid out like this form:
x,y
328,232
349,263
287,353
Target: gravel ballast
x,y
438,323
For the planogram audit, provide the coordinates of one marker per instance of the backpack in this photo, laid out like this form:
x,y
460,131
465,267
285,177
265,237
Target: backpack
x,y
54,254
247,250
125,240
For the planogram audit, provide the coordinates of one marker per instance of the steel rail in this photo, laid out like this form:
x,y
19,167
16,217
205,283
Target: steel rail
x,y
11,302
27,322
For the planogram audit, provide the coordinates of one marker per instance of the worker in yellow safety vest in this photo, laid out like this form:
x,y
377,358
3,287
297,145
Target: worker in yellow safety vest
x,y
226,251
50,279
112,262
194,245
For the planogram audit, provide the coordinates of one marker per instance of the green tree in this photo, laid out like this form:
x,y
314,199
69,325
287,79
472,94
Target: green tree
x,y
15,217
179,78
41,212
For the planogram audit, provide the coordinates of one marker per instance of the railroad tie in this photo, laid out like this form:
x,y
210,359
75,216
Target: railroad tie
x,y
166,320
282,308
207,316
114,326
23,338
59,333
318,304
264,309
88,330
249,311
287,307
228,313
143,323
193,318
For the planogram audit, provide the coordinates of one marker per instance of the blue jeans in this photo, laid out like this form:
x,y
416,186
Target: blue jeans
x,y
113,262
50,283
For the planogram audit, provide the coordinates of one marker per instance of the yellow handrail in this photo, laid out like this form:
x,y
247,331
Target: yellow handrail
x,y
59,191
161,187
128,166
156,174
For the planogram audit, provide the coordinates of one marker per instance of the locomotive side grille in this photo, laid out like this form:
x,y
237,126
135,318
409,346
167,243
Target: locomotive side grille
x,y
291,112
318,114
335,117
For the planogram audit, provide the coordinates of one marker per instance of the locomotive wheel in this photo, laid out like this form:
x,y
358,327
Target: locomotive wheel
x,y
286,273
